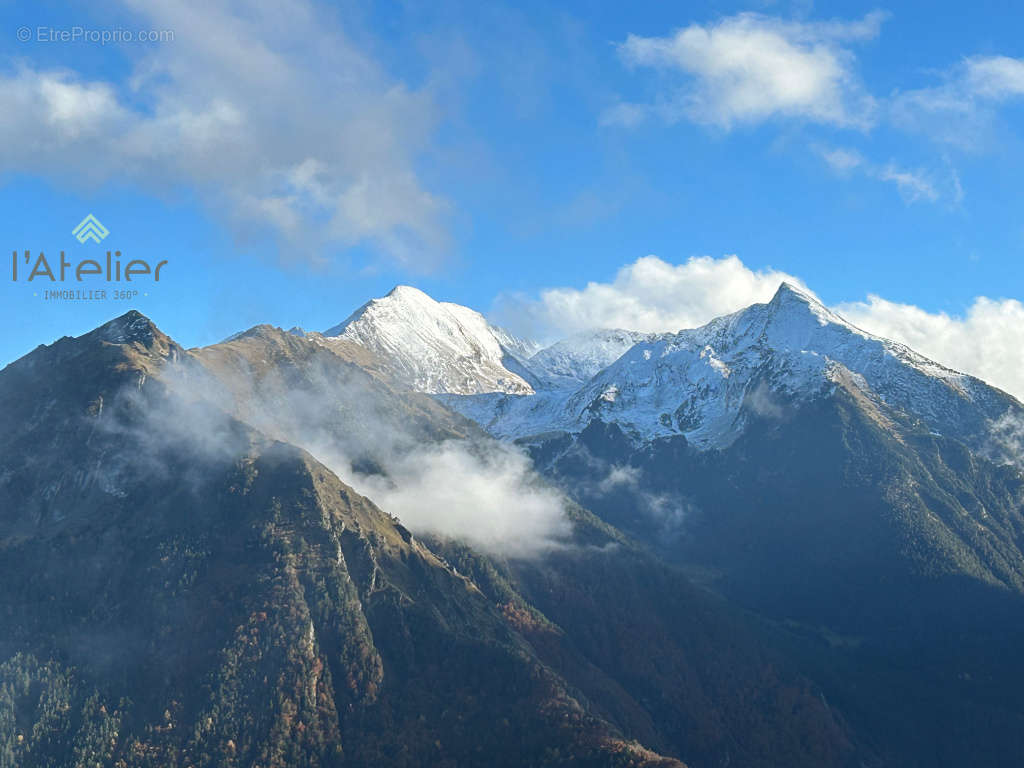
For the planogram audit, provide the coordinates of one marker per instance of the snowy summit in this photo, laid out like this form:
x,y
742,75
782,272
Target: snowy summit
x,y
436,347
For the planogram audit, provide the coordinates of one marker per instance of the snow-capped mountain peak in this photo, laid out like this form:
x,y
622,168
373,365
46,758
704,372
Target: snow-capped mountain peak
x,y
436,347
705,383
792,298
700,382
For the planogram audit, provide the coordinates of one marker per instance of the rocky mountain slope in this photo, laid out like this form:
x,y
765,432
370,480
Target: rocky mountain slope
x,y
181,584
838,484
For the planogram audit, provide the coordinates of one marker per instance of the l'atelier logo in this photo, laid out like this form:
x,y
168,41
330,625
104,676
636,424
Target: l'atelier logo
x,y
89,228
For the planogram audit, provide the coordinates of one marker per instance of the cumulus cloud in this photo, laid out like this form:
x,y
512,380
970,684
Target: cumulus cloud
x,y
995,77
268,110
962,108
985,342
749,68
649,295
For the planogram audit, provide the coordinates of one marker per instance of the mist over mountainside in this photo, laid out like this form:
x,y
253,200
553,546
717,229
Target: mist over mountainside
x,y
400,447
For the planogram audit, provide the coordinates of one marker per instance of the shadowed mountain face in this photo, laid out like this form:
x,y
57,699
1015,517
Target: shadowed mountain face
x,y
181,585
890,554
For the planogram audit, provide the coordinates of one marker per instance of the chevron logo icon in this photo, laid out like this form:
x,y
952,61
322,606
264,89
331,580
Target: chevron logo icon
x,y
90,228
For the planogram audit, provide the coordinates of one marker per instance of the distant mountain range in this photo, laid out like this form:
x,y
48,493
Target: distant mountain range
x,y
775,540
692,383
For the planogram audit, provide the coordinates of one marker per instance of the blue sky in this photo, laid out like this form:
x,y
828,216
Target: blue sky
x,y
292,159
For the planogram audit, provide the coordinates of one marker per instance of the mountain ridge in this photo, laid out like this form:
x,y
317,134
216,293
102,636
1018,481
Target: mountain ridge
x,y
696,382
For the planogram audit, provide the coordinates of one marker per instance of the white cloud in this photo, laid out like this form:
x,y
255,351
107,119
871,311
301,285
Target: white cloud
x,y
994,77
961,110
913,185
842,160
649,295
497,503
749,68
1007,439
267,109
985,342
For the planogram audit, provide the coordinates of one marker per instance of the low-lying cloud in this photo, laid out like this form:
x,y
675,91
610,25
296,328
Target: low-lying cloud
x,y
626,483
1006,439
490,497
475,489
